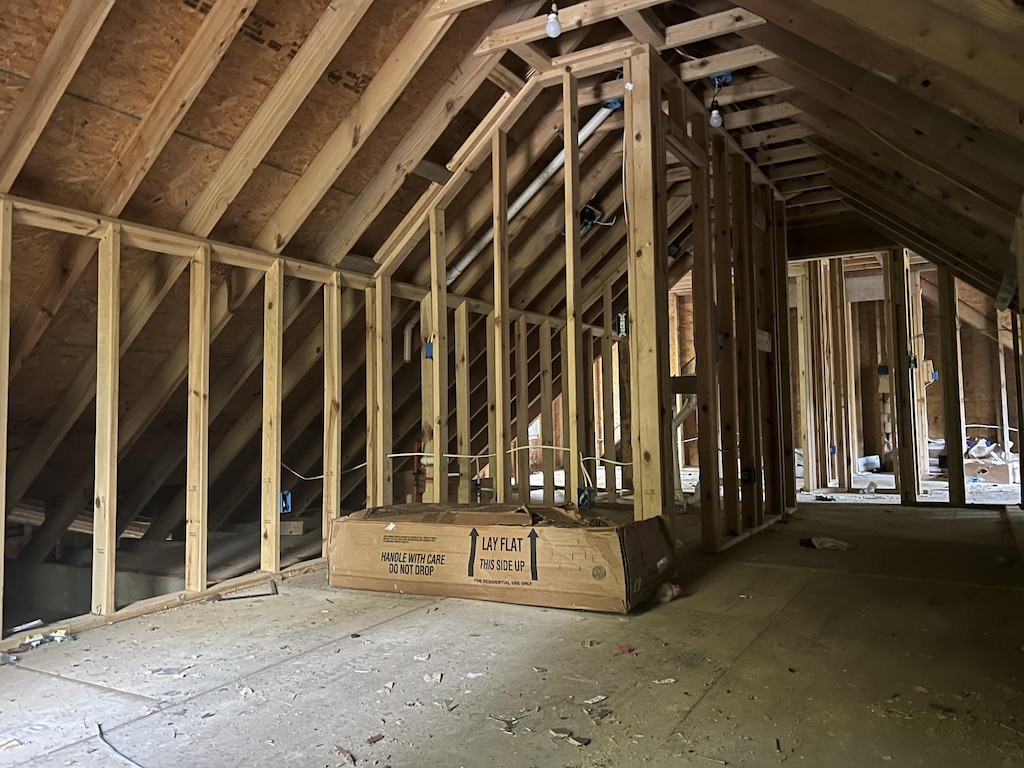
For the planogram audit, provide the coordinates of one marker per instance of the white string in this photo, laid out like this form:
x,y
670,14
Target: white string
x,y
607,461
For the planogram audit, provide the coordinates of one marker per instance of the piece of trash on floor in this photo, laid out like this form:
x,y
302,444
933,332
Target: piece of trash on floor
x,y
668,592
579,741
54,636
921,689
596,700
474,675
560,733
665,681
348,756
869,488
422,657
712,759
10,744
178,672
433,677
825,542
508,723
820,497
588,643
447,705
246,691
624,649
7,658
540,669
27,625
374,739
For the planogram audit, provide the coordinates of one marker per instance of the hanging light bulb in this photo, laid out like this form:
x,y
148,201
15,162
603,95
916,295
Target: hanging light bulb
x,y
715,118
553,28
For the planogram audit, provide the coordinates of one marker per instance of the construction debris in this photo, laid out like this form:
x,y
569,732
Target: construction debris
x,y
825,542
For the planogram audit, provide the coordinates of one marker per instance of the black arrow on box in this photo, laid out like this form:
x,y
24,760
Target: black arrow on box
x,y
533,555
472,550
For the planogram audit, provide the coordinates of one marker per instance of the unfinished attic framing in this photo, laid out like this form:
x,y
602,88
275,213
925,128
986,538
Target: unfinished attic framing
x,y
324,255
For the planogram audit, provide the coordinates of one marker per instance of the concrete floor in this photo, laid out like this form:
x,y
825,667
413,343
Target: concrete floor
x,y
906,651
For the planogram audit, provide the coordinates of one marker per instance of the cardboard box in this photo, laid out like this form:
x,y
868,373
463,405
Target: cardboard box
x,y
532,556
992,471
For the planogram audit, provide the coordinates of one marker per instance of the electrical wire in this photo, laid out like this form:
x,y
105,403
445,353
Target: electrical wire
x,y
112,748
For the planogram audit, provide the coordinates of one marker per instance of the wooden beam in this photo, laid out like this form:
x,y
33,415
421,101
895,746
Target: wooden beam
x,y
740,58
757,115
6,247
383,381
447,102
573,17
135,157
897,268
725,234
785,154
439,364
197,479
448,7
782,341
506,79
303,72
705,324
333,378
354,130
910,84
547,423
373,451
648,285
645,27
463,441
796,170
952,386
608,397
104,537
747,384
758,87
501,340
712,25
522,456
951,40
65,51
573,366
764,138
270,496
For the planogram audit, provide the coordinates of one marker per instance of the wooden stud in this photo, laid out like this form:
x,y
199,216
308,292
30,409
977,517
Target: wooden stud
x,y
705,326
897,267
384,482
463,437
648,288
1004,401
104,527
608,397
439,364
806,387
1018,370
725,228
501,341
919,383
751,476
197,478
522,459
426,372
372,438
6,246
547,423
273,362
782,336
333,379
952,387
574,366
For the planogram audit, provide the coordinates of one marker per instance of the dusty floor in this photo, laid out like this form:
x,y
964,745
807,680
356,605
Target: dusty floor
x,y
906,651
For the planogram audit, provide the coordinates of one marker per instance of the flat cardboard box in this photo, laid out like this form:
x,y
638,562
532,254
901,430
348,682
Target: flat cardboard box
x,y
532,556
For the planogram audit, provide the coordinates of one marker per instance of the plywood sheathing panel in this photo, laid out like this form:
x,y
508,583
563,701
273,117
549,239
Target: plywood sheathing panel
x,y
436,70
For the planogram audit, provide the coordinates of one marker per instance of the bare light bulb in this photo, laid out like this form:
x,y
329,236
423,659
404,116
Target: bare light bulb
x,y
715,118
553,28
